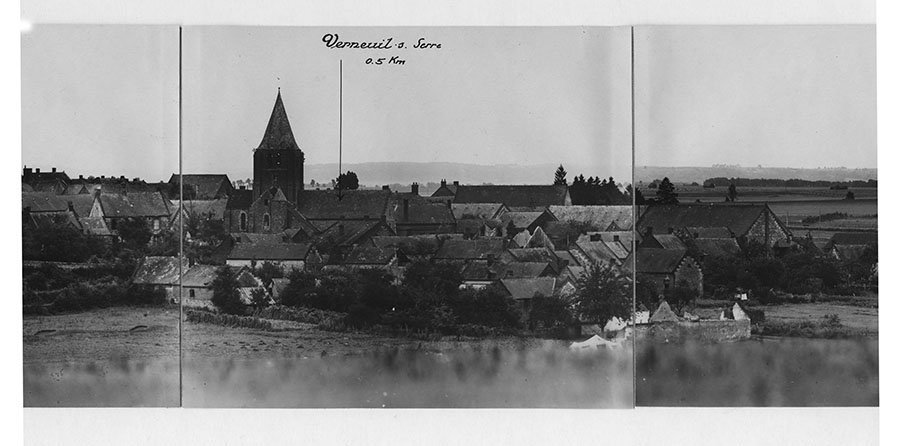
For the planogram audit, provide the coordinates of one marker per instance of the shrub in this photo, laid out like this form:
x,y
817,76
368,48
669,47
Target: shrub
x,y
225,292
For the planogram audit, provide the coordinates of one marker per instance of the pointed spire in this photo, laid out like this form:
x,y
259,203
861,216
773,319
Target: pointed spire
x,y
278,133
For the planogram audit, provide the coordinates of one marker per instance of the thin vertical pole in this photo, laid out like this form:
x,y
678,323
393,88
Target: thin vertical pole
x,y
634,219
340,125
180,227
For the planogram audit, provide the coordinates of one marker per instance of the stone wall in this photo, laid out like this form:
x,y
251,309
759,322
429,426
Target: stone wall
x,y
700,331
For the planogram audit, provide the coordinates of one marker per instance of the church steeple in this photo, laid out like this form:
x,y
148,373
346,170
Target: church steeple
x,y
278,161
279,135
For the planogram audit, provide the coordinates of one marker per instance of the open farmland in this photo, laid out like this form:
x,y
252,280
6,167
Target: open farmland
x,y
864,319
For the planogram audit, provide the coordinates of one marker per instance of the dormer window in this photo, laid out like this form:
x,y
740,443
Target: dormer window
x,y
243,221
266,222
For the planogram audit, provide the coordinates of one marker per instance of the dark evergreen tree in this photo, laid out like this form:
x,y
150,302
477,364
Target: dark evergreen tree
x,y
665,193
732,192
560,178
225,292
347,181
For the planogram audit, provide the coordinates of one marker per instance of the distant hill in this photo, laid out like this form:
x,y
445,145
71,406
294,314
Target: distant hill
x,y
699,174
371,174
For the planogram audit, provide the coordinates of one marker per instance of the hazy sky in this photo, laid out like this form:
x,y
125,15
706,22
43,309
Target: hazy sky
x,y
101,100
788,96
487,96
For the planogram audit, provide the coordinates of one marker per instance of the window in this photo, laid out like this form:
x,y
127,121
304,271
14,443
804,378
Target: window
x,y
156,224
266,222
243,221
191,293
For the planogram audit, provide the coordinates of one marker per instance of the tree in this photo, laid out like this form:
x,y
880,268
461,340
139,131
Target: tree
x,y
268,271
560,178
850,195
299,290
55,240
347,181
134,232
603,293
665,192
259,298
549,312
732,192
439,278
225,292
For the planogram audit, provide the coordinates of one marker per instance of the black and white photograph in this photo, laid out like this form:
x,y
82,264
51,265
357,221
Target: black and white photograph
x,y
100,163
406,217
757,229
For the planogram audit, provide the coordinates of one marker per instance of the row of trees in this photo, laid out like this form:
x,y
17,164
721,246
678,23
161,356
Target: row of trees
x,y
430,298
592,190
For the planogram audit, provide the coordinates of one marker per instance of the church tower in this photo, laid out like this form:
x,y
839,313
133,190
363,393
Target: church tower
x,y
278,161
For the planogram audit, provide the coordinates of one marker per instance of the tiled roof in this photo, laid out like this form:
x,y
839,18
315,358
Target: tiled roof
x,y
482,211
240,199
482,248
411,245
205,186
250,237
699,232
135,204
269,251
518,270
534,255
598,217
44,202
658,261
370,255
214,209
82,204
419,210
156,270
521,196
94,226
666,241
344,232
567,256
521,219
351,204
599,252
718,247
199,275
279,135
527,288
738,218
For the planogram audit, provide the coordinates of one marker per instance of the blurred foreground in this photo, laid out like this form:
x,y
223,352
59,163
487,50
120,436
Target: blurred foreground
x,y
759,372
478,377
117,383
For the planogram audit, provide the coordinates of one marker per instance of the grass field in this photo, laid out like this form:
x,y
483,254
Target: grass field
x,y
850,316
770,372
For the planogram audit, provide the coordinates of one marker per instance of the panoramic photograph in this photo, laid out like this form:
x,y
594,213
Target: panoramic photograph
x,y
757,226
405,217
99,146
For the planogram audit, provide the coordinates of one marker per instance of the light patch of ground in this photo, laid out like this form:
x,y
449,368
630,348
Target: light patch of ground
x,y
851,316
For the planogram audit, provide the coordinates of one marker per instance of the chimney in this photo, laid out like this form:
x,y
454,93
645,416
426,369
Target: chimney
x,y
53,169
385,187
456,183
102,177
38,170
443,183
242,187
80,177
415,188
405,209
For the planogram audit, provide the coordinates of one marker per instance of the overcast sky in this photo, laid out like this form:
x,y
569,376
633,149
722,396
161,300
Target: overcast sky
x,y
101,100
487,96
782,96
